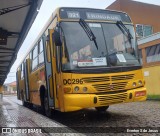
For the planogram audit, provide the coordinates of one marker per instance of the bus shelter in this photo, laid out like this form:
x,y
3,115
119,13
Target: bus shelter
x,y
16,18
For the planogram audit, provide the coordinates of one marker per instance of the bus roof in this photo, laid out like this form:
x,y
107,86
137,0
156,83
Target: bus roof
x,y
93,14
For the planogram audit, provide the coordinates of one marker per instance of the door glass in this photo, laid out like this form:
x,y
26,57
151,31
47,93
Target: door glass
x,y
48,52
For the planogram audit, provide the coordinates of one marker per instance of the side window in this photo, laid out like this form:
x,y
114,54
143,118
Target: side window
x,y
144,30
35,58
49,31
153,53
30,56
41,46
35,52
140,55
139,30
22,71
40,52
48,52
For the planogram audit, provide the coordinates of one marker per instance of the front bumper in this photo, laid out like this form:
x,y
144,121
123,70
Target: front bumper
x,y
73,102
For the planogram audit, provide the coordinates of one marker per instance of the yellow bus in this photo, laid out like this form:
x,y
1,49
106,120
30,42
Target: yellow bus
x,y
83,58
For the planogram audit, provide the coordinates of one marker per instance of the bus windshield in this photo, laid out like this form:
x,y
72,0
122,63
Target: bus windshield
x,y
115,48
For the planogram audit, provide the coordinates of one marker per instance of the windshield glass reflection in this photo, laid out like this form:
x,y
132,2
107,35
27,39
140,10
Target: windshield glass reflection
x,y
114,47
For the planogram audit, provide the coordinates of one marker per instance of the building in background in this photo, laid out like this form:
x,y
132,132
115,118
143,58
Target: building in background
x,y
10,88
146,19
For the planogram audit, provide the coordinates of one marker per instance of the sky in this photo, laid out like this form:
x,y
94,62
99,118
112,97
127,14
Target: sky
x,y
47,7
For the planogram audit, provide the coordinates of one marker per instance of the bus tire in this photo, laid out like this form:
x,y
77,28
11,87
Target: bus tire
x,y
48,110
102,109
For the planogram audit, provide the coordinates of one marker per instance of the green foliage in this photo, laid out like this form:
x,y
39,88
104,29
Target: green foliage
x,y
153,97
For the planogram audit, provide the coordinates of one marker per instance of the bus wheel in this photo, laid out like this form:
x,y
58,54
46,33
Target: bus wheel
x,y
102,109
48,111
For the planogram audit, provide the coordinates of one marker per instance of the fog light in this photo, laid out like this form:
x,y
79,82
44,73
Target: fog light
x,y
141,93
85,89
139,82
134,84
76,88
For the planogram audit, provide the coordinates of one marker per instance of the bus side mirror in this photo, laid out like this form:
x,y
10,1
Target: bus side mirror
x,y
57,39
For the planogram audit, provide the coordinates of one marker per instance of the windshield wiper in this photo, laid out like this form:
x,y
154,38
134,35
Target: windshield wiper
x,y
124,29
88,31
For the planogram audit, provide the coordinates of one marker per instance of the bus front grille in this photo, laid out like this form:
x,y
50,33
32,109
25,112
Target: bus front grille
x,y
122,77
108,78
110,87
112,99
96,79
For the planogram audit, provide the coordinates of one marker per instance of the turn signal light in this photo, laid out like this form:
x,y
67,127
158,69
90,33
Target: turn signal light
x,y
67,90
140,82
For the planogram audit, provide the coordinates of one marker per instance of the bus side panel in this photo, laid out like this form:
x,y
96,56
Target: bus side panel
x,y
36,80
35,99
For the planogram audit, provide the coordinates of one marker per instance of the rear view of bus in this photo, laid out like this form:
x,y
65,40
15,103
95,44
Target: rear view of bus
x,y
100,64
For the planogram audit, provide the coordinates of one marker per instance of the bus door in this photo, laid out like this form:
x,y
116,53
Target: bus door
x,y
26,83
18,91
49,71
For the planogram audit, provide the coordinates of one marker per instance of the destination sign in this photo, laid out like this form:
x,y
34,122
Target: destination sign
x,y
93,14
102,16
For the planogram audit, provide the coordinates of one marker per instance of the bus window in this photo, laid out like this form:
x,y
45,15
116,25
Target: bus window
x,y
35,58
41,55
30,62
30,55
48,52
40,46
51,31
22,74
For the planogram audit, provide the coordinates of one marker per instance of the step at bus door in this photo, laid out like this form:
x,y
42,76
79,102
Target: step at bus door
x,y
48,70
26,79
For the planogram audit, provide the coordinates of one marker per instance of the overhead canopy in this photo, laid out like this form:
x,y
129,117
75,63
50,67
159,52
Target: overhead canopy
x,y
16,18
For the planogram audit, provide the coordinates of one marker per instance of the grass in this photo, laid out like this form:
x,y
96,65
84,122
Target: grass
x,y
153,97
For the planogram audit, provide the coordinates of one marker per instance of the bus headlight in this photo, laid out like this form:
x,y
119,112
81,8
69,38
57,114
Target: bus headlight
x,y
134,84
76,88
139,82
85,89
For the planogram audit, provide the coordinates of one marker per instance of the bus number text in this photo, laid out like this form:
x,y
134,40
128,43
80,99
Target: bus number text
x,y
72,81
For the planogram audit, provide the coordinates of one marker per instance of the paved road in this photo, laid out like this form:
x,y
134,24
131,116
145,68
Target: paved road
x,y
139,114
